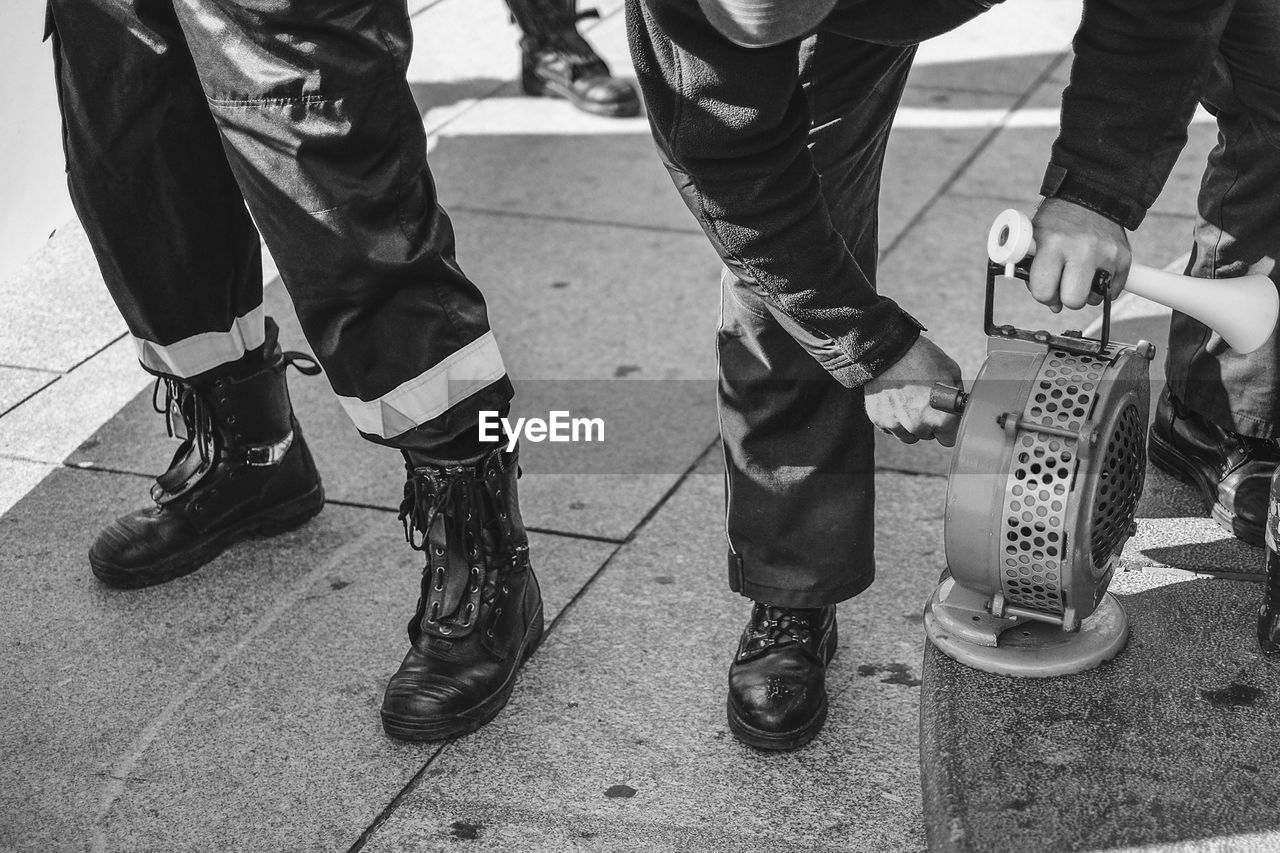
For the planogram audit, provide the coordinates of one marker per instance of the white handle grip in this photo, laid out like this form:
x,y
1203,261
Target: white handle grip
x,y
1243,310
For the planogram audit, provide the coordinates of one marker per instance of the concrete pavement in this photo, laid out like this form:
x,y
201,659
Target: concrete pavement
x,y
236,709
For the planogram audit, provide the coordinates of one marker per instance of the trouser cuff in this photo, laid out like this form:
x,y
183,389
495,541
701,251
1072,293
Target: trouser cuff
x,y
844,585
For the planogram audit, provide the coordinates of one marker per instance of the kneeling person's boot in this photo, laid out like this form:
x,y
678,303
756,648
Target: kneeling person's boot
x,y
242,469
1233,472
777,681
557,61
479,614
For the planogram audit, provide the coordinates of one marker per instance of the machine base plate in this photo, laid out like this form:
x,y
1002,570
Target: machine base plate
x,y
1026,648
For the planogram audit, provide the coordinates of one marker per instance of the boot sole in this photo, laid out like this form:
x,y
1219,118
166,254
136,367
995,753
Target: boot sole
x,y
271,522
539,88
466,722
1169,459
781,741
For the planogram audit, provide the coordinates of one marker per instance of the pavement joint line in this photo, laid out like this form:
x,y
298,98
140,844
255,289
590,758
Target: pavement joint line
x,y
578,220
975,153
383,816
122,770
959,90
545,531
569,606
30,369
389,510
427,7
61,375
584,537
34,393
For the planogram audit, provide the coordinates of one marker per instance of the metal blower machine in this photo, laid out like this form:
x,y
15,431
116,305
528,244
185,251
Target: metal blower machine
x,y
1048,466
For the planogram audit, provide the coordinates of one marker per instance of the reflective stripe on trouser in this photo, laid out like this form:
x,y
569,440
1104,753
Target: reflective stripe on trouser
x,y
179,113
204,351
799,450
1238,225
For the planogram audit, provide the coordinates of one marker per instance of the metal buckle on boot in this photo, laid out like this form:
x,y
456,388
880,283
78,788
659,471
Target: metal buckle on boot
x,y
266,455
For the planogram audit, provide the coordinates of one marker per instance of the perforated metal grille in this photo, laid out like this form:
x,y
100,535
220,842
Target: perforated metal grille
x,y
1035,535
1119,484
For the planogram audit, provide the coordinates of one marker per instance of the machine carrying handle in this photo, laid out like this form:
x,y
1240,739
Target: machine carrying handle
x,y
1022,272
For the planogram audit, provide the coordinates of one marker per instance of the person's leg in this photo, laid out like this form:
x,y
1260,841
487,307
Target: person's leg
x,y
1217,422
328,148
557,61
799,447
799,450
181,259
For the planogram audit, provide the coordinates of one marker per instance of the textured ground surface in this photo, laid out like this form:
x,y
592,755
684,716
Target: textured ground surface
x,y
236,709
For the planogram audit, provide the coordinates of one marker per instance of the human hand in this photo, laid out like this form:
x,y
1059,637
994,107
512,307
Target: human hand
x,y
1072,244
898,399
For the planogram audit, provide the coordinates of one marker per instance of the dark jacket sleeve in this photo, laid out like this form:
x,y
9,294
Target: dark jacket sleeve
x,y
731,124
1138,72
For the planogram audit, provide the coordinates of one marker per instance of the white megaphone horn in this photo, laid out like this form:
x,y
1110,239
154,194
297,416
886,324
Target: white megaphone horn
x,y
1242,310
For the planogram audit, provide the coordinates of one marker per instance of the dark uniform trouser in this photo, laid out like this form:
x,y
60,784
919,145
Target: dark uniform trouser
x,y
799,449
179,112
1237,226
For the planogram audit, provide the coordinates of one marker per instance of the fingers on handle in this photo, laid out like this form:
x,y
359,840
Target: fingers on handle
x,y
1046,273
1077,281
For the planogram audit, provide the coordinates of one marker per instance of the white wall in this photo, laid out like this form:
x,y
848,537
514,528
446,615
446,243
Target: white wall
x,y
33,187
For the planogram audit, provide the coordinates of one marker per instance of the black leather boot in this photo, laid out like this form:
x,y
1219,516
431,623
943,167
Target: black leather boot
x,y
480,612
1232,471
558,62
777,681
242,469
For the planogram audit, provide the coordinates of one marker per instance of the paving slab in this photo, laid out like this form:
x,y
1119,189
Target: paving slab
x,y
617,739
1013,165
17,384
1170,746
234,709
86,319
48,427
558,170
19,476
933,137
1002,50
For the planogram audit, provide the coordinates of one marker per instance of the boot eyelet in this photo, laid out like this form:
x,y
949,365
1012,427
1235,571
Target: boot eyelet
x,y
439,552
231,419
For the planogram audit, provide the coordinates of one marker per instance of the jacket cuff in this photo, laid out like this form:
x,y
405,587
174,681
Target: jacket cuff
x,y
1061,182
891,344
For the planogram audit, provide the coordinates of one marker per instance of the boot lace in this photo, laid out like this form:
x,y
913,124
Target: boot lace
x,y
183,401
779,626
454,503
